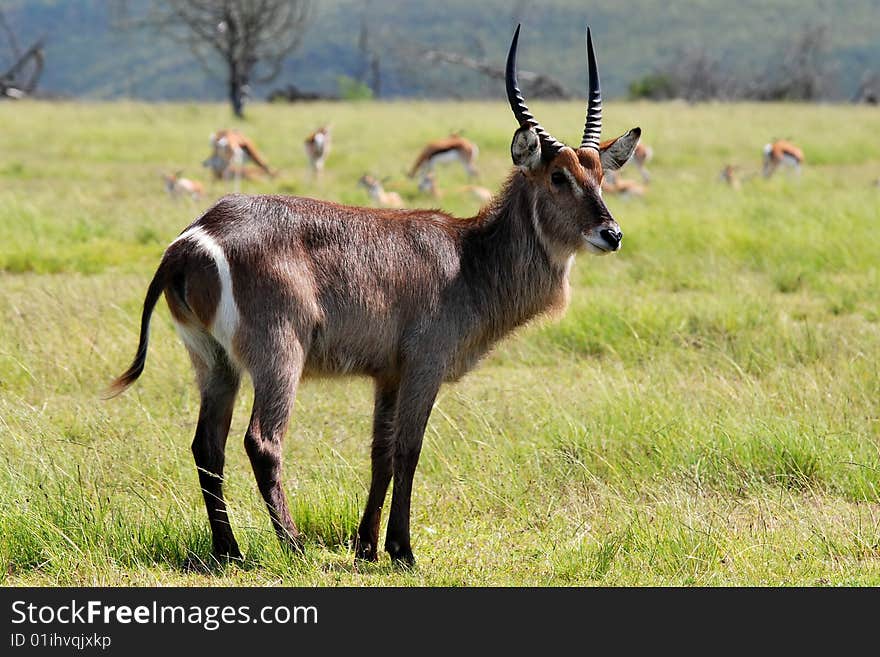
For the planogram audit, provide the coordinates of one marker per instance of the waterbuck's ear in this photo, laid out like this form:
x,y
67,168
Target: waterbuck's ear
x,y
615,152
525,149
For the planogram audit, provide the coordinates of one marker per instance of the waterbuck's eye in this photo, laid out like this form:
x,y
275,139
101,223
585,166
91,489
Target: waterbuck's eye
x,y
558,178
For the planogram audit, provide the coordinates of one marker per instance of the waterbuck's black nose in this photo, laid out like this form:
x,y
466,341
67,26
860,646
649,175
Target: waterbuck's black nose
x,y
613,237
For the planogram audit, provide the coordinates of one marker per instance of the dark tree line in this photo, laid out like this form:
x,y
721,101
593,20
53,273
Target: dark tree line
x,y
799,72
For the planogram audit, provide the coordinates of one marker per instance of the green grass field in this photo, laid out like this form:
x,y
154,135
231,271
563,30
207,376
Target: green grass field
x,y
706,413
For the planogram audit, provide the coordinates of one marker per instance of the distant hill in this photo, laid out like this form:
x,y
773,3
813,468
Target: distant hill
x,y
88,56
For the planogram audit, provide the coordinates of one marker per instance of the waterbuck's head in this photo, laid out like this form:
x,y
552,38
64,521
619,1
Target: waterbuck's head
x,y
567,182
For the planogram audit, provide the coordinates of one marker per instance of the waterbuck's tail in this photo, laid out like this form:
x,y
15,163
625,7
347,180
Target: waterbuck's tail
x,y
160,281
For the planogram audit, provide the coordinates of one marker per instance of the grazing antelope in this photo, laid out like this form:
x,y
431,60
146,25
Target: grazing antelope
x,y
428,185
177,185
782,152
450,149
229,149
283,288
379,195
317,146
733,176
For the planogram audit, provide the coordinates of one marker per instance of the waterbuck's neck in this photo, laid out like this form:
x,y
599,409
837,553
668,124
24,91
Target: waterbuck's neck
x,y
510,274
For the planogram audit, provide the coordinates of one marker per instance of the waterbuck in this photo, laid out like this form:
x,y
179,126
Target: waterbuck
x,y
284,288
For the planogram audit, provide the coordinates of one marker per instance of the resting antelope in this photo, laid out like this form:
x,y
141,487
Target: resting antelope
x,y
177,185
730,175
382,198
229,149
779,153
317,146
614,184
283,288
450,149
481,194
428,185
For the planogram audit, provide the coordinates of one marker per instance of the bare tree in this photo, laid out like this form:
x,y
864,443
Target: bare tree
x,y
700,76
805,64
869,89
803,72
21,78
540,84
252,38
370,70
799,72
11,39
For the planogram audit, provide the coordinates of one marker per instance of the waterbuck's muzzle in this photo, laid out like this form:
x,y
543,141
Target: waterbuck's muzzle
x,y
604,238
612,237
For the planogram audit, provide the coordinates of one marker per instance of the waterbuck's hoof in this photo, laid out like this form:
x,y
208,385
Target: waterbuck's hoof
x,y
402,556
365,550
231,555
294,545
225,552
195,564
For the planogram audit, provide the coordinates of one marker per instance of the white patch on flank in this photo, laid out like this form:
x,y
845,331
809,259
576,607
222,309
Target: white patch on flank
x,y
226,317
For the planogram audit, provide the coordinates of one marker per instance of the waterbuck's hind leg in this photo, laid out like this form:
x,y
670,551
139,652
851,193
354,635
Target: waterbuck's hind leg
x,y
418,390
275,382
367,540
218,386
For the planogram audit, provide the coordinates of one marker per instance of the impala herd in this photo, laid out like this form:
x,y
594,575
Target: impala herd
x,y
284,288
231,151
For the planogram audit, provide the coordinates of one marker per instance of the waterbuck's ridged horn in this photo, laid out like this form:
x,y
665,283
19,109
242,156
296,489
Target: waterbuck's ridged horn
x,y
549,146
593,127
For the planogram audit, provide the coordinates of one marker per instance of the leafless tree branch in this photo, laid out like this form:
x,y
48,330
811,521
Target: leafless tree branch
x,y
251,38
540,85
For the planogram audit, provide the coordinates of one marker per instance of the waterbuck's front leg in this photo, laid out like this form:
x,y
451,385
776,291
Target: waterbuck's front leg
x,y
367,541
418,390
